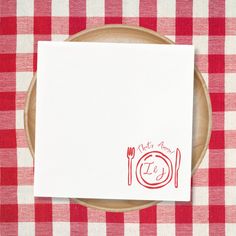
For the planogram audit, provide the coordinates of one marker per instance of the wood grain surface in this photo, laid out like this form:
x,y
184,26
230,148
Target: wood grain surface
x,y
201,111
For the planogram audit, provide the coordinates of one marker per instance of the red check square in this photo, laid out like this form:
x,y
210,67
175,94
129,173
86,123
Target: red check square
x,y
216,177
8,62
183,213
113,20
216,214
42,25
148,215
9,213
78,213
7,101
217,26
217,140
8,176
217,101
9,24
112,217
76,24
8,138
148,22
184,26
216,63
43,212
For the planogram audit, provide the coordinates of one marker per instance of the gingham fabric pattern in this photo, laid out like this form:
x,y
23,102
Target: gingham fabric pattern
x,y
208,24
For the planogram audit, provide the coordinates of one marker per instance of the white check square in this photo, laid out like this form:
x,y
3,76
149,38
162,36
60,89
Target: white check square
x,y
230,195
200,195
99,228
25,194
131,229
230,45
25,43
59,37
166,229
230,82
95,8
205,160
230,160
26,228
230,229
230,6
24,158
25,7
60,8
130,8
165,9
19,119
200,8
200,43
23,80
201,229
61,228
230,120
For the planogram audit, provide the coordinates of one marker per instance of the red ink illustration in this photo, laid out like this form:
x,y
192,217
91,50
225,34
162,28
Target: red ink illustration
x,y
146,147
164,148
177,165
154,170
130,156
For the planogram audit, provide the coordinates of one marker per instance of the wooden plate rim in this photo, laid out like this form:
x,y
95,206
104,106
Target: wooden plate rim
x,y
196,71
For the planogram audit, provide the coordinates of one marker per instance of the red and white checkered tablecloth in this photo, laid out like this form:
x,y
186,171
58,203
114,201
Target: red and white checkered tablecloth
x,y
208,24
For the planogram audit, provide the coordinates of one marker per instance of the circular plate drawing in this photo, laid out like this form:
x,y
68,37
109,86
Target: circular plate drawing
x,y
154,170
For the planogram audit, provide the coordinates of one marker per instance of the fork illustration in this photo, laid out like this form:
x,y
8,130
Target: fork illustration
x,y
130,156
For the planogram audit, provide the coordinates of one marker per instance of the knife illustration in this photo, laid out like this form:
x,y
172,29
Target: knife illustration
x,y
177,165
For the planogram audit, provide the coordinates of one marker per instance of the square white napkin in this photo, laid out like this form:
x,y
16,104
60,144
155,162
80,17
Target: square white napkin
x,y
96,100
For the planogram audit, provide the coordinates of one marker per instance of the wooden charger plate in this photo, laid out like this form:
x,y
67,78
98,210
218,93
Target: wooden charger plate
x,y
201,111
